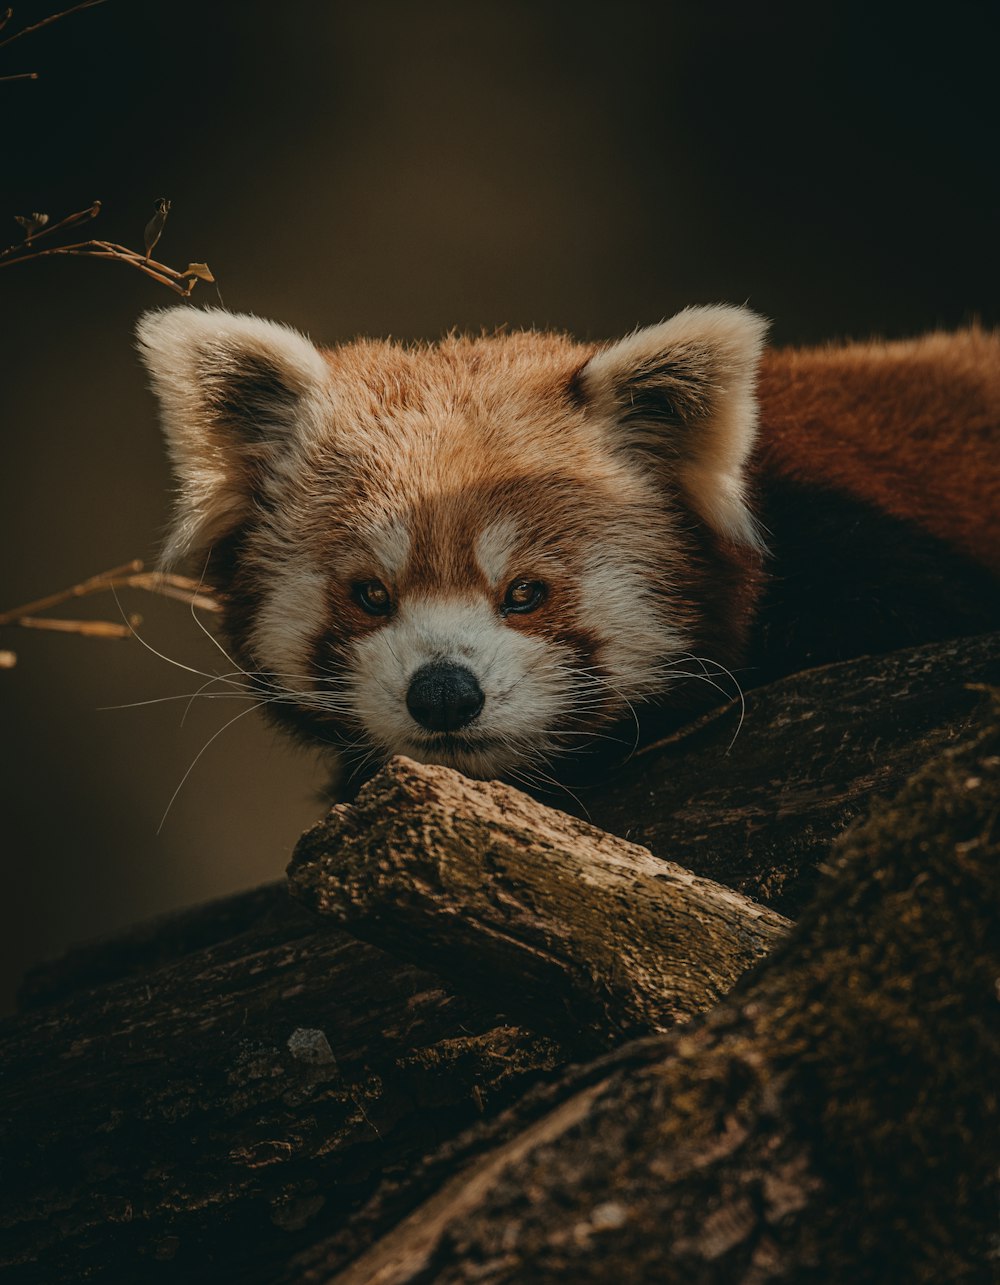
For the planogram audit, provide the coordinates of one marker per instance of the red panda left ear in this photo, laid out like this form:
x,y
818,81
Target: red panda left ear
x,y
235,392
682,392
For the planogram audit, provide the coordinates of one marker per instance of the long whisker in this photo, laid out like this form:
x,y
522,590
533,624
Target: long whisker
x,y
207,632
739,693
200,673
182,696
531,775
202,692
214,737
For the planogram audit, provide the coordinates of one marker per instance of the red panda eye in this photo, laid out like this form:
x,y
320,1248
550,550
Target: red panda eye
x,y
372,596
523,596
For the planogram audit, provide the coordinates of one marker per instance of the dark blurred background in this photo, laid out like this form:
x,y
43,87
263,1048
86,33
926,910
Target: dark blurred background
x,y
392,168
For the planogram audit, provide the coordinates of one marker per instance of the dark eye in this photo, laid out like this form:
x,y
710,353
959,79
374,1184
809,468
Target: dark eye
x,y
523,596
372,596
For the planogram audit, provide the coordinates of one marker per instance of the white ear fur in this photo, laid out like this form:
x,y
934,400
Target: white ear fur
x,y
683,391
232,389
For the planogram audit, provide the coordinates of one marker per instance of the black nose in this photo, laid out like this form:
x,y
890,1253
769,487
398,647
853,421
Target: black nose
x,y
443,696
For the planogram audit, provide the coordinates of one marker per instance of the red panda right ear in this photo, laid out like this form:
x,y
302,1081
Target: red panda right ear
x,y
233,391
683,394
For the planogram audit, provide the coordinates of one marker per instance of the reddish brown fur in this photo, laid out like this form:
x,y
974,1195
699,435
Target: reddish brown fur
x,y
913,427
495,416
622,479
906,426
910,426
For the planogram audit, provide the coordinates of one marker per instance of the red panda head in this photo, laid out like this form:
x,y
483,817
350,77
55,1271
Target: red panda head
x,y
480,552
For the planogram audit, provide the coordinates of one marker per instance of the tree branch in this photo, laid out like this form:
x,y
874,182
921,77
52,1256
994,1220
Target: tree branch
x,y
834,1120
45,22
500,895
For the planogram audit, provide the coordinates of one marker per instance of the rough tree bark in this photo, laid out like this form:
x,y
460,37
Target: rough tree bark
x,y
169,1105
834,1119
489,889
755,806
201,1120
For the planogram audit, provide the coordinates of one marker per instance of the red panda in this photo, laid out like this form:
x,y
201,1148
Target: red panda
x,y
495,552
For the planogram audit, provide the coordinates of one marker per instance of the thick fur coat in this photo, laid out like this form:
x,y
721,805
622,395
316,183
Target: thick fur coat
x,y
499,552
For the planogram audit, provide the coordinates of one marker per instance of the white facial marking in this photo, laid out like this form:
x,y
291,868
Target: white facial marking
x,y
616,602
293,613
390,546
522,677
494,549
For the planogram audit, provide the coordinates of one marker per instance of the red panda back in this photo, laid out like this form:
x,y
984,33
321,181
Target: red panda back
x,y
911,427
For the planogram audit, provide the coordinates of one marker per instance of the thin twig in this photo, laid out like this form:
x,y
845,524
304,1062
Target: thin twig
x,y
88,628
107,250
93,584
160,272
130,575
182,283
180,588
91,212
53,17
21,75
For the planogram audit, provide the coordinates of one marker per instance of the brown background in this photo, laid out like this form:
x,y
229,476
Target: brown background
x,y
406,168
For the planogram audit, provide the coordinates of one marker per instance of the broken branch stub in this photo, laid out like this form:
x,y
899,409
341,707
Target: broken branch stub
x,y
551,919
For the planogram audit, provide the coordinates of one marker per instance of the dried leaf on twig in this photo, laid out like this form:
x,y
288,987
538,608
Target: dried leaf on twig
x,y
32,223
155,226
182,283
199,270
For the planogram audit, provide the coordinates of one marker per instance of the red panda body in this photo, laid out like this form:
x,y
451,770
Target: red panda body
x,y
878,474
911,427
499,552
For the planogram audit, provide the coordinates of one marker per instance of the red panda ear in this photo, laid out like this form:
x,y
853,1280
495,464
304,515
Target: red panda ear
x,y
232,390
682,392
